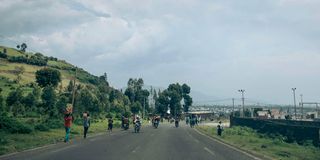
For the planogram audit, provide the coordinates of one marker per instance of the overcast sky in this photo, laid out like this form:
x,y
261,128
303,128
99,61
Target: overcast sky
x,y
215,46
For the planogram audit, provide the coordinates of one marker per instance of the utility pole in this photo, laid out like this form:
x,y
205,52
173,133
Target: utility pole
x,y
317,108
242,93
294,101
232,107
74,88
144,107
301,95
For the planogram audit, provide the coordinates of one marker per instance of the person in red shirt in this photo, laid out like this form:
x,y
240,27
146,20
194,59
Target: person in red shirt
x,y
68,119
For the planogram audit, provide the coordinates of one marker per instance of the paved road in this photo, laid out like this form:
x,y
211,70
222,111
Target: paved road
x,y
164,143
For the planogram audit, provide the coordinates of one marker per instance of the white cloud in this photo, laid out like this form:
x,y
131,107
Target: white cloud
x,y
216,46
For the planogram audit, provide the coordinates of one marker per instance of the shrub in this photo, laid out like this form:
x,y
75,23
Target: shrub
x,y
11,125
118,116
109,115
32,114
116,124
78,121
34,60
41,127
54,123
2,55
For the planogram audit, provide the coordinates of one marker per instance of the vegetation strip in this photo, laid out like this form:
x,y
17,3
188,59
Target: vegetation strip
x,y
272,146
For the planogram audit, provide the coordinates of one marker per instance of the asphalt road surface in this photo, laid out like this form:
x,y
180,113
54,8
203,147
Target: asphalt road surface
x,y
164,143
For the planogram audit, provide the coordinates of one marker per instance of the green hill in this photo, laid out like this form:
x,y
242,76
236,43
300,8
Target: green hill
x,y
8,70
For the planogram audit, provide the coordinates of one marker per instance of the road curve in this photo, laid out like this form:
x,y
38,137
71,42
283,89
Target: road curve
x,y
164,143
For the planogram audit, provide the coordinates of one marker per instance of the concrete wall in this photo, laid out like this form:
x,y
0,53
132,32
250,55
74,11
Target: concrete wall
x,y
298,131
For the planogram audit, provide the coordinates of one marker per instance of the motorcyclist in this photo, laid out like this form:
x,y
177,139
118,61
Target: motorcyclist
x,y
125,123
176,122
137,124
156,120
187,120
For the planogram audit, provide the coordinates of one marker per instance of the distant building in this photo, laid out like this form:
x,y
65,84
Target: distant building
x,y
277,114
263,114
312,115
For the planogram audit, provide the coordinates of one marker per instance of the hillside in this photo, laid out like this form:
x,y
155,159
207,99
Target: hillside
x,y
8,70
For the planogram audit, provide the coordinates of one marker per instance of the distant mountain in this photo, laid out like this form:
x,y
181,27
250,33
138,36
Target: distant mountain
x,y
200,98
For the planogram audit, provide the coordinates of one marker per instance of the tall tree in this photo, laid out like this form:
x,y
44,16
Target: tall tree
x,y
175,96
14,100
136,107
14,97
19,70
48,77
186,97
162,103
2,106
136,93
172,97
22,47
49,99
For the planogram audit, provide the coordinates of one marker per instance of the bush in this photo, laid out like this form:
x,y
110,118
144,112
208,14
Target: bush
x,y
11,125
117,124
34,60
78,121
118,116
41,127
109,115
2,55
54,123
32,114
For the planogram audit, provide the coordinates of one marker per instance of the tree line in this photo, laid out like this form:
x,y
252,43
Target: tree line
x,y
48,99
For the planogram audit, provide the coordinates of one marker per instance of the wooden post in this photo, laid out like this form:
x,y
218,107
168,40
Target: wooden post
x,y
74,89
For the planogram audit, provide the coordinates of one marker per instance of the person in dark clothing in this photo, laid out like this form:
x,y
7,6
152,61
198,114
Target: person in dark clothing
x,y
122,122
219,129
86,124
110,124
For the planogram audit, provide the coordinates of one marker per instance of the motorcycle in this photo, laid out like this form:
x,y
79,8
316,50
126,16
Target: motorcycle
x,y
137,126
156,124
176,124
126,126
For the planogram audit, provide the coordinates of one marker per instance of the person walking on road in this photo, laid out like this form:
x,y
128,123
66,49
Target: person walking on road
x,y
68,119
86,124
110,124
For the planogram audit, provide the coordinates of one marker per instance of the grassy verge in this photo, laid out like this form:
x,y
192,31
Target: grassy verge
x,y
18,142
270,145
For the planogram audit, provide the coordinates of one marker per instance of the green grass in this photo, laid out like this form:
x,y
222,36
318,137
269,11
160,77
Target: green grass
x,y
275,147
60,64
11,51
18,142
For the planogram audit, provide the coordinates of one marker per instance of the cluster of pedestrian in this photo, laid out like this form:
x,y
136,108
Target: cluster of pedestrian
x,y
68,120
192,120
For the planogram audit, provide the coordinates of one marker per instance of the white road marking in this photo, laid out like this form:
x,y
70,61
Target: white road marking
x,y
250,155
64,148
197,141
208,150
135,150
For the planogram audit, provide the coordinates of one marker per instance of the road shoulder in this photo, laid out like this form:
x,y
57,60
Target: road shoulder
x,y
251,154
